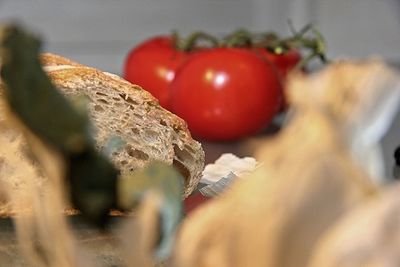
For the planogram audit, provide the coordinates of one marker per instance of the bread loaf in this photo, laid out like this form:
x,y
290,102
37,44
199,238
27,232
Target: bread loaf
x,y
119,109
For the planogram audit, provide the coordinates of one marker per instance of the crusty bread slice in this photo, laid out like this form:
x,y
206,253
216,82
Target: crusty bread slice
x,y
120,109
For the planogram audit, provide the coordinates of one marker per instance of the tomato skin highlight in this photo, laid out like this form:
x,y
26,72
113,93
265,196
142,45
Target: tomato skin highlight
x,y
226,94
153,64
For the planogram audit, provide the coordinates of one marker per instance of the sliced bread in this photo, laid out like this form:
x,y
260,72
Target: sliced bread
x,y
123,111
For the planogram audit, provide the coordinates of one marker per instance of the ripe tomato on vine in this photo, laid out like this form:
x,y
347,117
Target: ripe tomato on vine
x,y
226,94
225,90
153,65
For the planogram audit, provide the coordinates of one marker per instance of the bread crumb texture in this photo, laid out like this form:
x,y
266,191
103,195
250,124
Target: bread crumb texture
x,y
117,109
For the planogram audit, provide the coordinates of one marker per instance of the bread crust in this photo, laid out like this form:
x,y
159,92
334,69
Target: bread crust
x,y
178,146
152,133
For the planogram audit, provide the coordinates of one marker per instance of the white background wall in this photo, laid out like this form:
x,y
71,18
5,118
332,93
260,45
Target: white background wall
x,y
101,32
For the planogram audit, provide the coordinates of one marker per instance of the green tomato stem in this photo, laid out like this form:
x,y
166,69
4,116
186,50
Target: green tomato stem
x,y
239,38
192,42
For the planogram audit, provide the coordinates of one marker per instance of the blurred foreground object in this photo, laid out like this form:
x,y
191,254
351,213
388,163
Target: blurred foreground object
x,y
361,99
60,127
57,138
368,236
158,183
316,170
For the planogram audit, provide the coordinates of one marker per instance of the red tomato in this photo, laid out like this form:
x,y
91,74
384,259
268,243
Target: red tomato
x,y
153,64
284,62
226,93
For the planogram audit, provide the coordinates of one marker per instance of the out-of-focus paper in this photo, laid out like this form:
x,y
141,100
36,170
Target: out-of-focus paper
x,y
220,175
218,187
226,164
